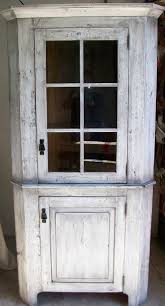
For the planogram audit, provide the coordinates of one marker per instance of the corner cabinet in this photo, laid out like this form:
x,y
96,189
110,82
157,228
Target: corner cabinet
x,y
82,97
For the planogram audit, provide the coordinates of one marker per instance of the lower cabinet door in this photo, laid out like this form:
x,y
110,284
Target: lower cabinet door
x,y
82,243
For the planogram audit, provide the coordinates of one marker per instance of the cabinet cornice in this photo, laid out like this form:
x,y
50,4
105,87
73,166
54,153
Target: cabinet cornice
x,y
80,10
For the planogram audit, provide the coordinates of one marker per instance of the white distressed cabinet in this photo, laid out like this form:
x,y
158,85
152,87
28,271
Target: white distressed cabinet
x,y
83,99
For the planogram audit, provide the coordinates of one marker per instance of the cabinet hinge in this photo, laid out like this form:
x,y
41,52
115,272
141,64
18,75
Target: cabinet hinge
x,y
123,281
128,41
126,209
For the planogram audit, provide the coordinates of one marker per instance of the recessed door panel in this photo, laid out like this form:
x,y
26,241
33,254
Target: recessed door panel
x,y
82,241
82,246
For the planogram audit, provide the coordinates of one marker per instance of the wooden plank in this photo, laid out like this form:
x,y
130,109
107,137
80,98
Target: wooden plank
x,y
16,151
136,101
28,244
122,108
142,100
138,225
32,244
20,240
151,43
41,107
27,100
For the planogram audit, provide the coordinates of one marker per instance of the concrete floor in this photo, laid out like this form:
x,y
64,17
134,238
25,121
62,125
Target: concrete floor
x,y
9,289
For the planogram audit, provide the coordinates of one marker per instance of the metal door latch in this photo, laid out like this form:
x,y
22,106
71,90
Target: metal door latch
x,y
41,147
44,215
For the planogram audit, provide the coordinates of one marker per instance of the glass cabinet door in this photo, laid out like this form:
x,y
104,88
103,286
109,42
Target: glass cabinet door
x,y
82,98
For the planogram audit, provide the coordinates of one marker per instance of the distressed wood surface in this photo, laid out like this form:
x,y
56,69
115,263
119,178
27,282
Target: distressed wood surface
x,y
77,10
150,96
142,100
16,153
22,101
137,245
79,236
28,244
27,101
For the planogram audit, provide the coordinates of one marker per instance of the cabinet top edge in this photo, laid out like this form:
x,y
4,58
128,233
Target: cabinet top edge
x,y
84,10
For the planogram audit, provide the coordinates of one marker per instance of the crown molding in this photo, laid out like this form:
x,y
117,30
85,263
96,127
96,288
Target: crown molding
x,y
82,10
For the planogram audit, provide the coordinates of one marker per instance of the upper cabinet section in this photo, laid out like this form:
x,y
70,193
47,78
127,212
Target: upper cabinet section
x,y
83,92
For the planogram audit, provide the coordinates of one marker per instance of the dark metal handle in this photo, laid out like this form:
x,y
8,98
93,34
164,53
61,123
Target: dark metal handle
x,y
44,215
41,147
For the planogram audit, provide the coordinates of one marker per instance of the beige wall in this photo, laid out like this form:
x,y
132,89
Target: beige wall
x,y
6,199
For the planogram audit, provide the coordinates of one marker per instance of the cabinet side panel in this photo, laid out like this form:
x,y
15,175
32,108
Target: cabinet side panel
x,y
136,101
28,243
32,242
14,101
142,99
27,100
150,96
145,235
20,240
137,244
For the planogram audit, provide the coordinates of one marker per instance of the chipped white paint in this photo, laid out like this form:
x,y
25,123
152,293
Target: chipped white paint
x,y
114,219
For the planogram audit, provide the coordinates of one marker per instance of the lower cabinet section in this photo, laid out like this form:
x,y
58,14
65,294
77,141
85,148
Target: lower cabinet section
x,y
82,243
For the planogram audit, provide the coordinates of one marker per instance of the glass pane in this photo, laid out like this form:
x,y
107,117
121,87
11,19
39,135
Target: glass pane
x,y
100,152
100,107
100,61
63,61
63,152
63,107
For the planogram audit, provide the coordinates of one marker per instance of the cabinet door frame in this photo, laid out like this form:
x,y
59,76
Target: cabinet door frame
x,y
119,34
53,205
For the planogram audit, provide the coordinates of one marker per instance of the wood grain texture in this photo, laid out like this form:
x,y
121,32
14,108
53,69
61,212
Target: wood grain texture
x,y
151,43
138,225
142,99
22,101
27,100
28,244
16,152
